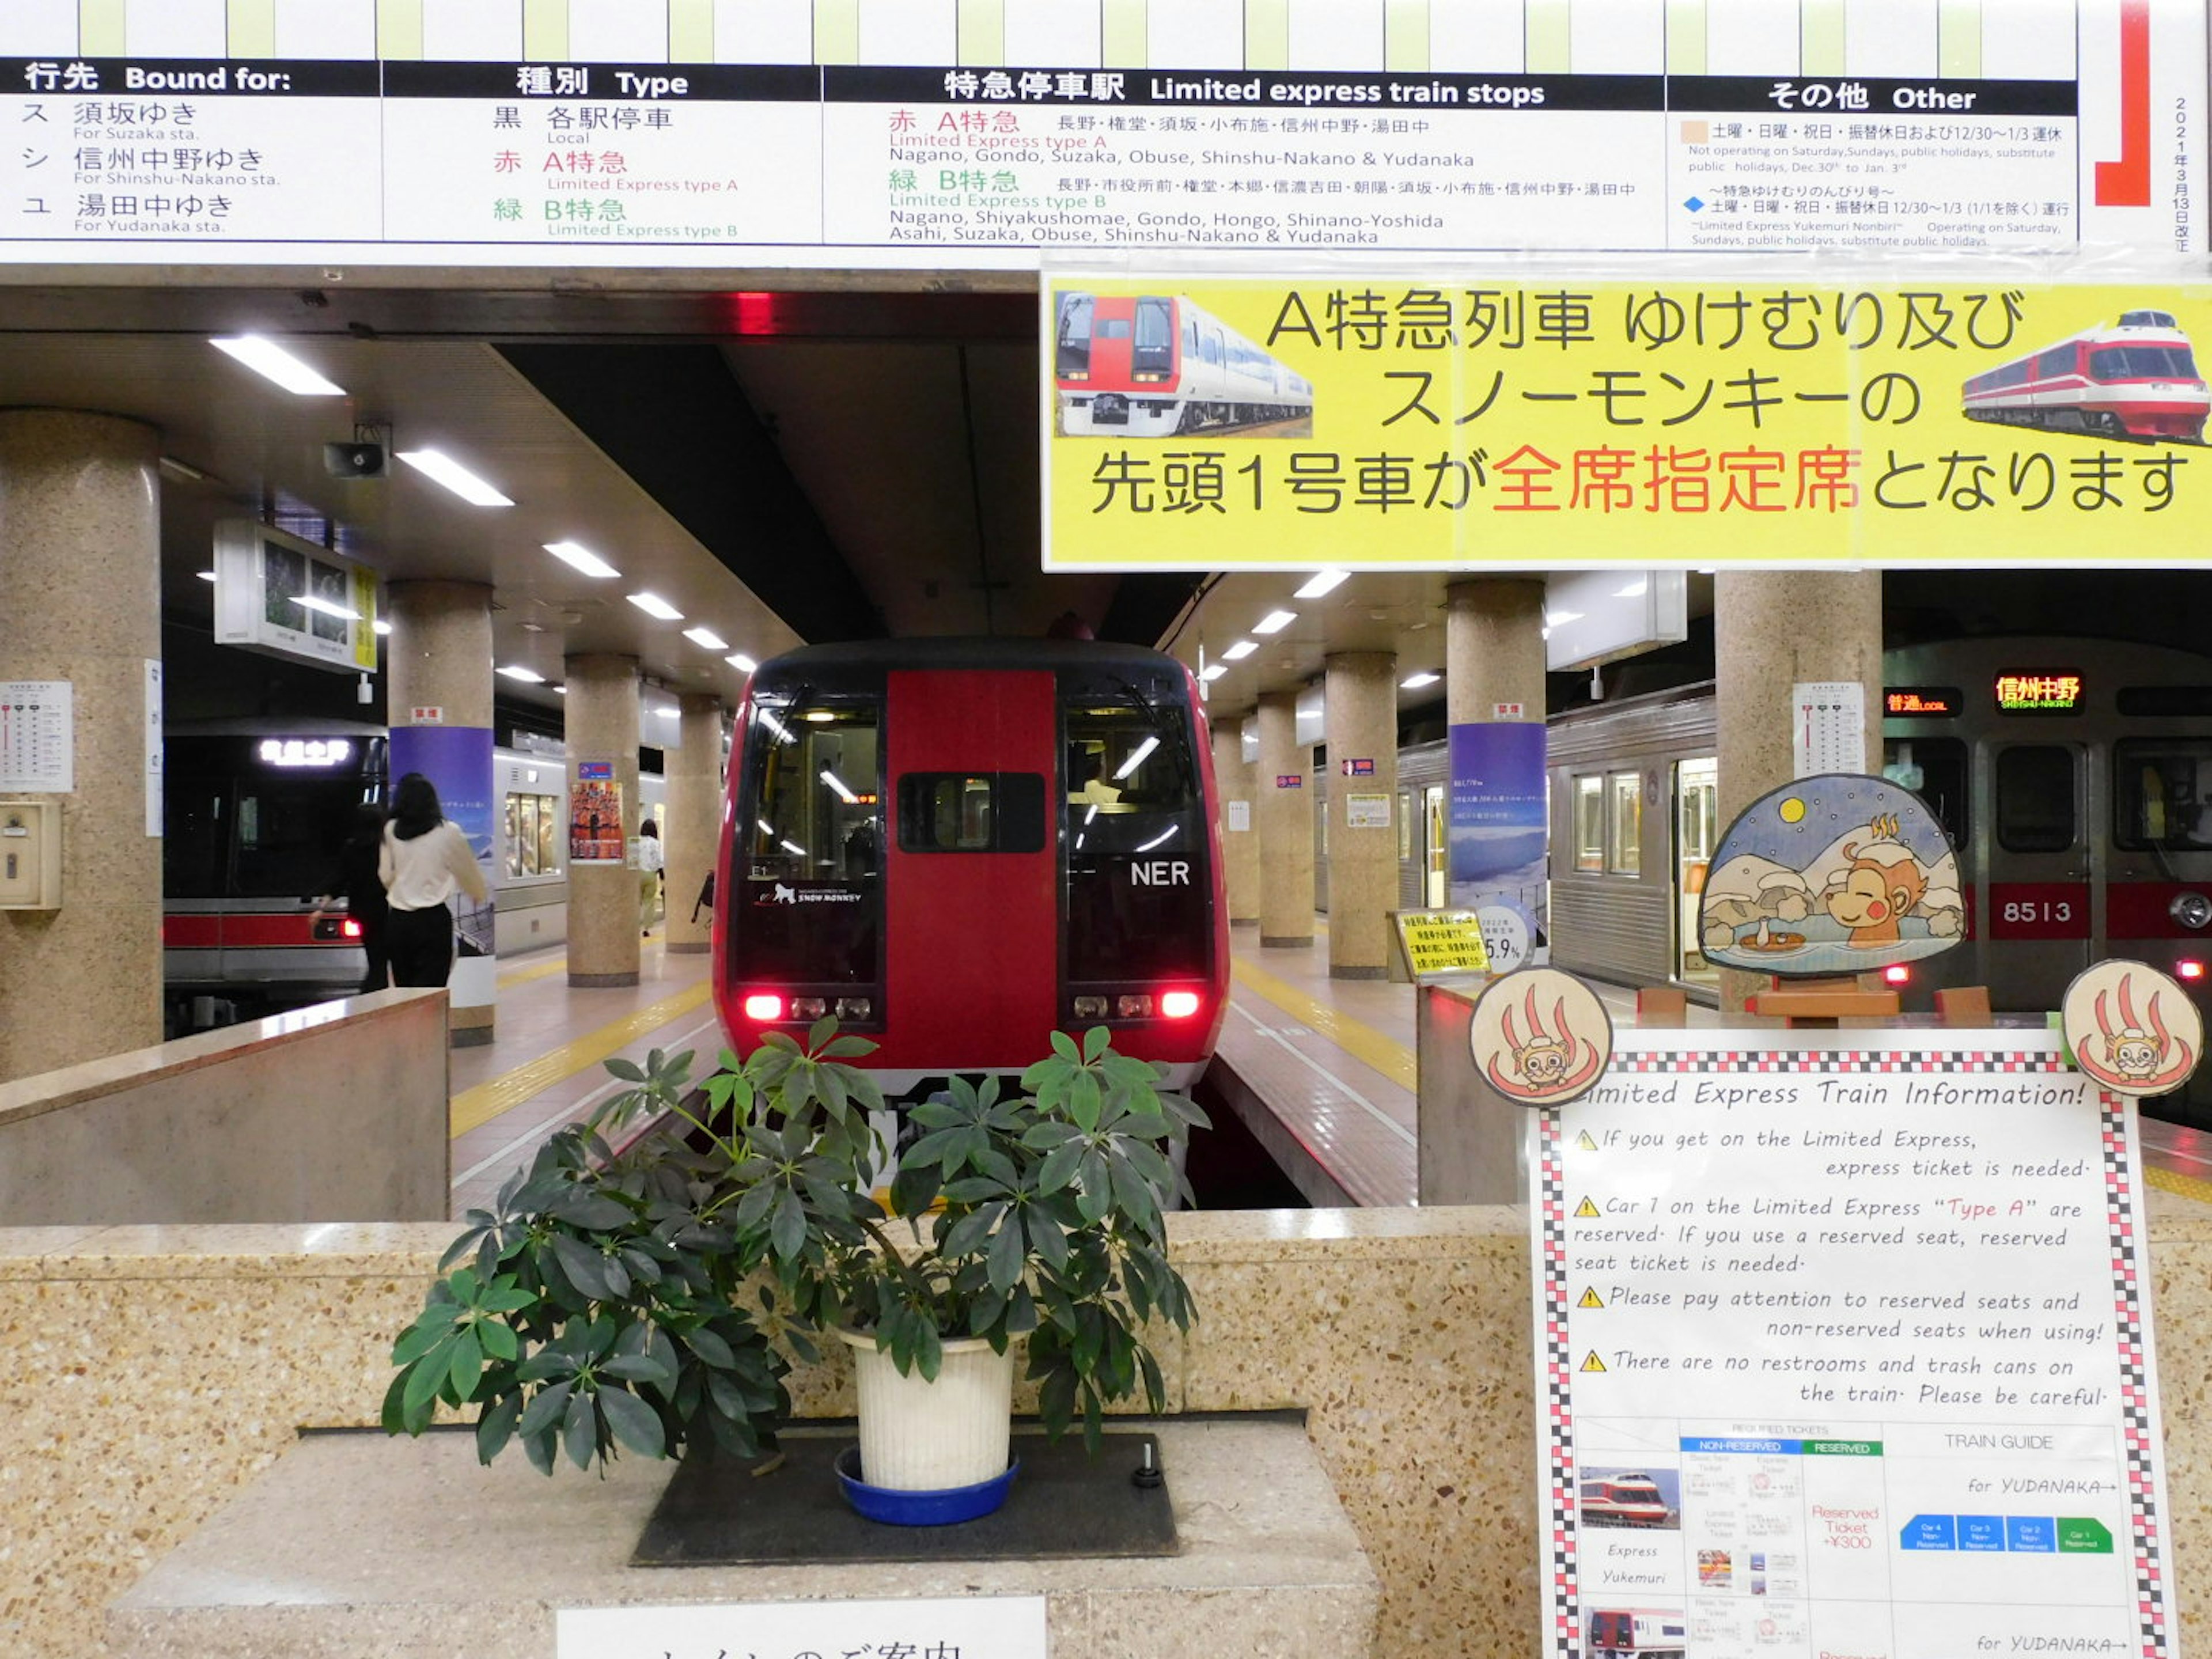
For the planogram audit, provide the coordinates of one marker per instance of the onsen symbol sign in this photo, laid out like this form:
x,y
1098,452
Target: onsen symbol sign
x,y
1540,1036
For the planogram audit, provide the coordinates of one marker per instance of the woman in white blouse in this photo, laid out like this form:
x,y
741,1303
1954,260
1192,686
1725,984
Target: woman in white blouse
x,y
423,861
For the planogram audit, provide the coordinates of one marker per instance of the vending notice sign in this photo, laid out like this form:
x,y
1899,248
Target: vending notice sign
x,y
1843,1346
1513,422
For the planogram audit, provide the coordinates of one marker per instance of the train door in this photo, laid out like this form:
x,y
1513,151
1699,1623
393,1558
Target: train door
x,y
970,874
2038,871
1697,832
1435,849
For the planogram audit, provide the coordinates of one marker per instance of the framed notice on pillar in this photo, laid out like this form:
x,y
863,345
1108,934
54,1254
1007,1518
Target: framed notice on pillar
x,y
1844,1346
595,814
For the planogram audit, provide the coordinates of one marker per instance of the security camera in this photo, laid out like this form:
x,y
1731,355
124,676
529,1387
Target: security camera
x,y
355,460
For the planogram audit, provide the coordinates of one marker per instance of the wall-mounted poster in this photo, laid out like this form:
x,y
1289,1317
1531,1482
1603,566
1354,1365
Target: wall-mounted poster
x,y
595,814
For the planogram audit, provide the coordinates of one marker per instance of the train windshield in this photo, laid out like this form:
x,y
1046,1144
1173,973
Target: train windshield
x,y
810,840
1071,349
1134,832
238,826
2142,362
1154,350
2162,794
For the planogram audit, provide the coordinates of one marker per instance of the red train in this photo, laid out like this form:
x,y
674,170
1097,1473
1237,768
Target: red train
x,y
1151,367
957,847
2136,379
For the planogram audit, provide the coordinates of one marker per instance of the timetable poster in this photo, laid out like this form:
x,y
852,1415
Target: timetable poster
x,y
1844,1349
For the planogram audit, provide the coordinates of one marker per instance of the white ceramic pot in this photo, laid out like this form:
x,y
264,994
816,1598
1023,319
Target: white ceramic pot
x,y
922,1436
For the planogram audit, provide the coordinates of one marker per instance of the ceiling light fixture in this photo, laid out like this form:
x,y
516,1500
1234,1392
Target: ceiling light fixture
x,y
707,637
178,471
1321,582
1239,651
1274,621
1211,672
527,676
742,663
441,468
206,576
1415,682
272,362
578,556
653,605
382,626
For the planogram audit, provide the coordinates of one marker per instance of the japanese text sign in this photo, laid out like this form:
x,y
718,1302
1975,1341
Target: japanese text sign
x,y
1410,423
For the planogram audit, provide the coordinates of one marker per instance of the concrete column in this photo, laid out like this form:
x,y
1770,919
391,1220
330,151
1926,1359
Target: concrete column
x,y
1772,630
1493,649
1285,818
439,658
695,816
1359,720
603,921
80,602
1235,777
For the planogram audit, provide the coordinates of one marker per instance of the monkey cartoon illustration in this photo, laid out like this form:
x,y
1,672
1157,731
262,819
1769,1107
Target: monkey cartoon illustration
x,y
1883,885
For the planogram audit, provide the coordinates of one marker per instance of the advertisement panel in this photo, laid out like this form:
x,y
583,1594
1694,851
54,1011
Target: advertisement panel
x,y
1410,423
458,761
1845,1347
284,597
1499,867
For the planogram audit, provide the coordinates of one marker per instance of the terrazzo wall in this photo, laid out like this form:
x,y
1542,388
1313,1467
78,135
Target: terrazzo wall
x,y
154,1370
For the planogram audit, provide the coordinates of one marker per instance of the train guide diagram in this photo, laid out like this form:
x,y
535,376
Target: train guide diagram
x,y
1843,1349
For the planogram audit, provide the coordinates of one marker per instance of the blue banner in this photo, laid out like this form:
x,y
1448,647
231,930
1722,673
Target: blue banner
x,y
458,761
1499,823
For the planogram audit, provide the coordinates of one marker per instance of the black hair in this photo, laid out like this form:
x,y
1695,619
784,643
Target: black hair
x,y
648,827
414,809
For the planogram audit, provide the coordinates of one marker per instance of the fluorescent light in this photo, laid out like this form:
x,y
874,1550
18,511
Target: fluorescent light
x,y
206,576
742,663
781,731
382,626
1136,759
767,829
1635,590
1273,622
561,691
838,784
178,471
1239,651
328,607
820,716
1559,619
529,676
1166,835
441,468
708,637
793,847
272,362
668,711
653,605
1415,682
1211,672
1321,582
580,557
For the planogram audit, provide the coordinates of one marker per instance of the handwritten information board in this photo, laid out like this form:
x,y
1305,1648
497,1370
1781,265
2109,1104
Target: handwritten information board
x,y
1843,1350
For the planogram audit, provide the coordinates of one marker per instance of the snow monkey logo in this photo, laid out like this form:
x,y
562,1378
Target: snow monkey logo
x,y
2158,1036
1540,1036
1883,883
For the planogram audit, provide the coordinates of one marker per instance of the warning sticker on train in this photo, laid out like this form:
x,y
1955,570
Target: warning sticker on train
x,y
1408,423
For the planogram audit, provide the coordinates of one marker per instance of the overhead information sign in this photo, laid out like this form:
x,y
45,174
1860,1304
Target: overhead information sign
x,y
1845,1350
1406,423
921,133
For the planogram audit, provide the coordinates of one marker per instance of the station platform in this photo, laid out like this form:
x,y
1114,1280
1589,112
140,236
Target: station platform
x,y
1321,1070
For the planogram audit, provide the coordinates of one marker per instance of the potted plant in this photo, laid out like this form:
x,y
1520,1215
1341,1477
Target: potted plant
x,y
653,1298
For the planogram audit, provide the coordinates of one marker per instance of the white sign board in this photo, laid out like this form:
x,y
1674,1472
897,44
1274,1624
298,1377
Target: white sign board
x,y
285,596
918,136
38,738
1844,1347
1238,814
1827,725
1366,812
946,1627
153,750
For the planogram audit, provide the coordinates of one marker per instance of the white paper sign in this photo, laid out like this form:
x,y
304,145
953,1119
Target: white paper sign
x,y
1828,726
153,746
1367,811
945,1627
1239,814
37,737
1843,1347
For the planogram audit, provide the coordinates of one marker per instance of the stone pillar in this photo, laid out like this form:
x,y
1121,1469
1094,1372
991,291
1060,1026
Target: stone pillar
x,y
1360,723
1772,630
604,934
1286,820
1235,777
439,659
81,603
695,816
1494,649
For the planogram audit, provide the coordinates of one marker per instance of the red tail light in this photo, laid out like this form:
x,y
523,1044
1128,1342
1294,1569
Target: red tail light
x,y
763,1006
2189,968
1897,974
349,928
1178,1005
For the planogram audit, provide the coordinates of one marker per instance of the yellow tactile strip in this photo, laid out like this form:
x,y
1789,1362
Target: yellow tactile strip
x,y
473,1108
1363,1042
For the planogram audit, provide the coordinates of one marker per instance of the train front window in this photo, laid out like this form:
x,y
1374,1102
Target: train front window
x,y
2162,794
1134,835
289,829
2142,362
1071,338
1154,350
2036,809
810,843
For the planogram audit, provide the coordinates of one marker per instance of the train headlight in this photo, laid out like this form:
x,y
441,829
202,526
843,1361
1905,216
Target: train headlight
x,y
1133,1004
1090,1007
855,1008
1178,1005
808,1007
763,1006
1147,374
2190,910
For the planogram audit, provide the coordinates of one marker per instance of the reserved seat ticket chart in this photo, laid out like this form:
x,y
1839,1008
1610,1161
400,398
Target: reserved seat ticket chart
x,y
1845,1350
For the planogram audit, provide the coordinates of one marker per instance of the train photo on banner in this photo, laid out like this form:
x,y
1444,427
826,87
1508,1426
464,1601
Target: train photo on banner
x,y
1152,365
2135,380
958,846
2073,776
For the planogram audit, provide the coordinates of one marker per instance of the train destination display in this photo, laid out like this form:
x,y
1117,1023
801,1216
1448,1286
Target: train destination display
x,y
1509,421
921,133
1844,1348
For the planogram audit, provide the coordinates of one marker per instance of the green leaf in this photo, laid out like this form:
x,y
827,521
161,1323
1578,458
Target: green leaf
x,y
786,1230
429,1375
638,1368
580,1430
468,1363
496,1425
539,1449
635,1423
710,1347
1094,1044
1059,1165
393,1415
1005,1260
424,1335
1082,1102
1096,1195
1064,1046
838,1048
627,1070
544,1410
1047,1240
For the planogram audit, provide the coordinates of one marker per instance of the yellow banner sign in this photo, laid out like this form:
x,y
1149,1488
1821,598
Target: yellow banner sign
x,y
1442,942
1408,424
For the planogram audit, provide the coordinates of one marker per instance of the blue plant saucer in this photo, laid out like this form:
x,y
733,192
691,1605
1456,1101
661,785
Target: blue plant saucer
x,y
920,1508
